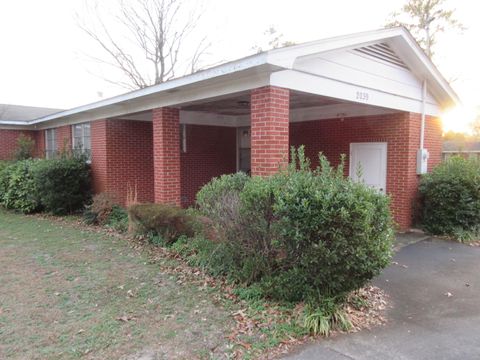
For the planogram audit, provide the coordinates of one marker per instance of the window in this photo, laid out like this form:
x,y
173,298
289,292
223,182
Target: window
x,y
50,143
81,139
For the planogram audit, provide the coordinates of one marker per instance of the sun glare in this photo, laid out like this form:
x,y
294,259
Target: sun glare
x,y
458,119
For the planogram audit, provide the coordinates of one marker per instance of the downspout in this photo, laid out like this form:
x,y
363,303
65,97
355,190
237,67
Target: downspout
x,y
422,153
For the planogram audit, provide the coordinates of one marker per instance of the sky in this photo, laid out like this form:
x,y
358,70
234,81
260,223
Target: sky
x,y
44,56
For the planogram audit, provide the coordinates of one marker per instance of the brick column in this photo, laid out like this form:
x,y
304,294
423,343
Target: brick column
x,y
166,155
269,128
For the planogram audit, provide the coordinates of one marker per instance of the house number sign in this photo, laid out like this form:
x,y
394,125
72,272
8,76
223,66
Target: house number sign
x,y
362,96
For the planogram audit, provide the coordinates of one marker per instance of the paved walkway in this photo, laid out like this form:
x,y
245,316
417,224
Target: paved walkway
x,y
435,290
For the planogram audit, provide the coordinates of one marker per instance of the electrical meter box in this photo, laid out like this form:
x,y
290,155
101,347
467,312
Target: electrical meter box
x,y
422,161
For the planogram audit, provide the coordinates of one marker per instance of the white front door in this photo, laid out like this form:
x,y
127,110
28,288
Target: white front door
x,y
368,164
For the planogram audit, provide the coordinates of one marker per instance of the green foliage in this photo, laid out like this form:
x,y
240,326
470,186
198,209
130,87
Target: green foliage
x,y
165,220
63,184
325,317
302,234
118,219
451,199
24,148
18,188
426,19
59,186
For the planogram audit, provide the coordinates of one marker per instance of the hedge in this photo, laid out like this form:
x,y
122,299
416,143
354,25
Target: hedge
x,y
59,186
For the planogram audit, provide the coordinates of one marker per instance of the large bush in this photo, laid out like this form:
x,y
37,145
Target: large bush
x,y
167,221
63,184
59,186
18,188
301,234
451,198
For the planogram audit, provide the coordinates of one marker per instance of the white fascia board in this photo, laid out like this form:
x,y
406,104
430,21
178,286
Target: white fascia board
x,y
420,65
6,126
218,87
323,86
220,71
399,38
286,57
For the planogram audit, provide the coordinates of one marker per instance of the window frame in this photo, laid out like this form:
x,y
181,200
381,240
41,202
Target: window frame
x,y
82,149
51,153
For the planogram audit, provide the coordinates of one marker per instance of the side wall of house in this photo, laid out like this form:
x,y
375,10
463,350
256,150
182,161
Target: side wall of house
x,y
401,131
210,152
8,142
122,158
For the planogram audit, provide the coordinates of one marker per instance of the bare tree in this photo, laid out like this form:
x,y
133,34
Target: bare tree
x,y
157,46
425,19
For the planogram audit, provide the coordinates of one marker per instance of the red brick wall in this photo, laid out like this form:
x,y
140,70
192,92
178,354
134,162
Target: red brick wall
x,y
166,155
64,138
40,143
402,133
433,141
8,142
269,129
122,157
211,152
98,133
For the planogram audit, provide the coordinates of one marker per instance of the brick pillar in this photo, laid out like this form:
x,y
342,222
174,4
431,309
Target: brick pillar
x,y
166,155
269,128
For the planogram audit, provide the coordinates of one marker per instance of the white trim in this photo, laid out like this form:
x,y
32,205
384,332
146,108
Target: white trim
x,y
254,71
50,153
319,85
83,137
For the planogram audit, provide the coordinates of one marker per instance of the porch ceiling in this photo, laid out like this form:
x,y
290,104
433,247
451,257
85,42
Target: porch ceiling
x,y
240,103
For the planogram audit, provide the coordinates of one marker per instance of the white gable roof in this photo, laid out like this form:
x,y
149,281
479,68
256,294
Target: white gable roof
x,y
297,67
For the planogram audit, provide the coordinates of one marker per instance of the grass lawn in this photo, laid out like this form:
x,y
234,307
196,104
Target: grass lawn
x,y
66,293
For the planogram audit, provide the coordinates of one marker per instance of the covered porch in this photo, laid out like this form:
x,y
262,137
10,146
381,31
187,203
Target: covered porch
x,y
252,131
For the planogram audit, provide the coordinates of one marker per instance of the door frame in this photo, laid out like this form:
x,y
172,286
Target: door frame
x,y
352,166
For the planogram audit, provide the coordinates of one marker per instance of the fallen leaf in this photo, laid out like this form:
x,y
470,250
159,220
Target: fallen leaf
x,y
125,318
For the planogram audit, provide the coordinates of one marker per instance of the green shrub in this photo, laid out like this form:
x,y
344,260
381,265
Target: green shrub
x,y
18,188
118,219
302,234
168,221
336,233
59,186
451,198
3,165
219,201
325,317
24,148
63,184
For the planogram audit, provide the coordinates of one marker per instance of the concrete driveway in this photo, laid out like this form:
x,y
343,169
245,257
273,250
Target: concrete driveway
x,y
426,322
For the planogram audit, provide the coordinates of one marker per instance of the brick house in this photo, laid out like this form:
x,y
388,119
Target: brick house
x,y
372,96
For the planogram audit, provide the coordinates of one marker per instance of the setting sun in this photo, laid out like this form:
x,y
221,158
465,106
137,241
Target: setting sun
x,y
458,119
